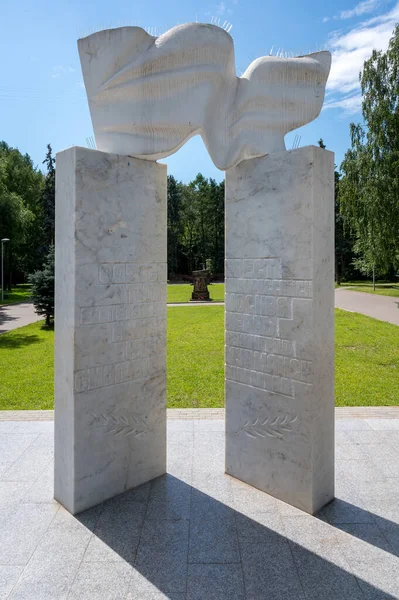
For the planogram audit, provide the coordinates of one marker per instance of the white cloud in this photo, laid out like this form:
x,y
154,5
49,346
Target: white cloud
x,y
325,19
351,105
59,70
350,50
221,9
362,8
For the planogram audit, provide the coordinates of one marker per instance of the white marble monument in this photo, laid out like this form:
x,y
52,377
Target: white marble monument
x,y
110,326
280,325
147,96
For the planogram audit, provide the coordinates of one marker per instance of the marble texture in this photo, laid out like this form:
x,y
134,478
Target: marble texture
x,y
110,337
148,95
280,325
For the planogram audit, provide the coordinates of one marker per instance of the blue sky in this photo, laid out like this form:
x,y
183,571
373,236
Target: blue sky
x,y
42,98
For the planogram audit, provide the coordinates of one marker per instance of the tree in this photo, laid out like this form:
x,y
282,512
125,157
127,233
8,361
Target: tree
x,y
369,189
43,288
174,224
20,189
47,199
343,243
195,225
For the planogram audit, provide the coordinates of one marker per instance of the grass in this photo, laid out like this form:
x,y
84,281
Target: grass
x,y
26,368
382,289
181,292
195,365
19,293
367,361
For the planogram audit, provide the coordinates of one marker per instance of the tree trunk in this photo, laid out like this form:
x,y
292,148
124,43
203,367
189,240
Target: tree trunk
x,y
337,272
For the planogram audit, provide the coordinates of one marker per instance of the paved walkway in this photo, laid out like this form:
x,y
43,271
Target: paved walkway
x,y
17,315
198,534
184,414
384,308
195,304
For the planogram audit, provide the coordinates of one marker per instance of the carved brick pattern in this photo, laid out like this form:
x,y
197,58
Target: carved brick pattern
x,y
261,314
131,329
129,370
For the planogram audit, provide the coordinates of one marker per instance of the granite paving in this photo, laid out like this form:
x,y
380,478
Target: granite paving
x,y
198,534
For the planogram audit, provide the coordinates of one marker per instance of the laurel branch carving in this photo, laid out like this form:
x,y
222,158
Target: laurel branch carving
x,y
270,427
121,425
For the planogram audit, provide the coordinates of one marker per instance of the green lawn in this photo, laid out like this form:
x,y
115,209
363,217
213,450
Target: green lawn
x,y
181,292
382,289
19,293
26,368
367,361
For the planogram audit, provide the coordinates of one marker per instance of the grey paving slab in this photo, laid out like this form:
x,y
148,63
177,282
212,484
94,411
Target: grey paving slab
x,y
261,528
383,424
17,315
13,445
215,582
384,308
140,588
198,533
30,464
116,535
162,554
351,425
340,511
372,561
42,488
270,572
8,577
36,427
213,536
323,578
101,581
170,499
21,533
53,566
248,500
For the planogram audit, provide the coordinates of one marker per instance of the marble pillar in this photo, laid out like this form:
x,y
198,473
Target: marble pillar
x,y
110,338
280,325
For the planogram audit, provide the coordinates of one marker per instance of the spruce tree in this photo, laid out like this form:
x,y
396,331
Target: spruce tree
x,y
48,199
42,283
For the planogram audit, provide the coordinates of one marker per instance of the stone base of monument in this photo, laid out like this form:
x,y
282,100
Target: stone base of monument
x,y
280,325
200,292
110,326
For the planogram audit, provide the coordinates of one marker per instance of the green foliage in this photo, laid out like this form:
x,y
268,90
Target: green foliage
x,y
344,241
47,199
195,225
20,189
42,283
369,189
